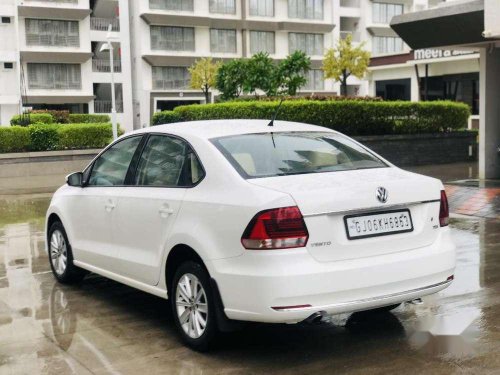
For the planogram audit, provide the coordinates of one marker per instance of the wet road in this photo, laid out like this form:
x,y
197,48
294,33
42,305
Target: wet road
x,y
103,327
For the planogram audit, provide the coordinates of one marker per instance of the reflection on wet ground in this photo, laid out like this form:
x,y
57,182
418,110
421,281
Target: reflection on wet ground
x,y
103,327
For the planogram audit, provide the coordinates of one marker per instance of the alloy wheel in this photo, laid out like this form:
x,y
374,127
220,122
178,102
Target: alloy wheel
x,y
191,303
58,252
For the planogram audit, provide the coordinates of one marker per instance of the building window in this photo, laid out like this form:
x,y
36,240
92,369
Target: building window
x,y
387,44
8,65
5,19
222,6
170,77
315,80
52,33
456,87
54,76
311,44
262,8
169,38
305,9
222,40
383,12
394,89
185,5
262,41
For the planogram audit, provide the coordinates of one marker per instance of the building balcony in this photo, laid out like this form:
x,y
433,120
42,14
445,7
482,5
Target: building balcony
x,y
102,24
54,9
105,106
104,66
356,35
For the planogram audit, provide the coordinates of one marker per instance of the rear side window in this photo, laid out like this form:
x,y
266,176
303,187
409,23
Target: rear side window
x,y
110,169
168,162
287,153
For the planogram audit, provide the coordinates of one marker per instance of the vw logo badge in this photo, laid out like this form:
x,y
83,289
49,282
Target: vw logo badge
x,y
382,194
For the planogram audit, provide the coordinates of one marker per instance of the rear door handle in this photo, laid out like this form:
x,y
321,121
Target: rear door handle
x,y
110,205
165,210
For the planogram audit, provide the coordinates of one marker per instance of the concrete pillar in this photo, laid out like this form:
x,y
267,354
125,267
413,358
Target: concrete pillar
x,y
489,123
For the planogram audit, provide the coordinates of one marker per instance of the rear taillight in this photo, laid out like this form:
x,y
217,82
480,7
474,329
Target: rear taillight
x,y
279,228
444,210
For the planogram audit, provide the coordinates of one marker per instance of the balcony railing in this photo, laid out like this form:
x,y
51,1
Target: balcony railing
x,y
102,24
356,36
54,1
349,3
104,106
52,40
104,66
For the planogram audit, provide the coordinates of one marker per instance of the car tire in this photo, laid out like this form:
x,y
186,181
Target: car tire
x,y
61,256
194,306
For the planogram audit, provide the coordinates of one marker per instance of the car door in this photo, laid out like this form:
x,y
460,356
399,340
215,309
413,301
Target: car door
x,y
148,207
93,206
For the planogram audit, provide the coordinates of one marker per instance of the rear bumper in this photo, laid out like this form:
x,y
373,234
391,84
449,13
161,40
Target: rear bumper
x,y
252,284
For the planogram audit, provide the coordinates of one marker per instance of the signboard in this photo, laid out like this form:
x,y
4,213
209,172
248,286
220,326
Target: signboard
x,y
491,19
425,54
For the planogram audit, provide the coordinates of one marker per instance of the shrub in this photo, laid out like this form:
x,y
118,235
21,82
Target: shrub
x,y
85,118
79,136
14,139
166,117
43,137
351,117
60,117
44,118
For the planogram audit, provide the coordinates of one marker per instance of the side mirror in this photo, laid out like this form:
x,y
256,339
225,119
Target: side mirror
x,y
75,179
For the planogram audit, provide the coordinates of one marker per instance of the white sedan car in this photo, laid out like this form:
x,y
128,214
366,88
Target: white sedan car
x,y
235,220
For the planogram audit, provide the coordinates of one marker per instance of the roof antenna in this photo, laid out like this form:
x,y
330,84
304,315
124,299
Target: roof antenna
x,y
276,112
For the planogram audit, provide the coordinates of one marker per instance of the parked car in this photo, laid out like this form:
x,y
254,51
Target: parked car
x,y
236,220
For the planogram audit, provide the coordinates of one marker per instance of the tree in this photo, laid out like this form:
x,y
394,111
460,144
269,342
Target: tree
x,y
260,70
345,60
231,77
203,75
291,73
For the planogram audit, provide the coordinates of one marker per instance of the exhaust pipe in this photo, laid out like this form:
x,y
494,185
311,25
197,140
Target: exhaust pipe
x,y
315,318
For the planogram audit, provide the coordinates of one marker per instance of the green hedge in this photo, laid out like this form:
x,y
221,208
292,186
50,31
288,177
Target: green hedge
x,y
348,117
34,118
59,116
166,117
75,136
14,139
85,118
47,137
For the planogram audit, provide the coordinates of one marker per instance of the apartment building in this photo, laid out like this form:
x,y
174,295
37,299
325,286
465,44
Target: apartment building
x,y
51,53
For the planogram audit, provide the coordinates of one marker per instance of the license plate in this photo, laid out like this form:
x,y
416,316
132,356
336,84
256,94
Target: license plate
x,y
378,224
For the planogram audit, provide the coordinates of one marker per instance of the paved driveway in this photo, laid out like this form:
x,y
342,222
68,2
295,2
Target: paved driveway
x,y
103,327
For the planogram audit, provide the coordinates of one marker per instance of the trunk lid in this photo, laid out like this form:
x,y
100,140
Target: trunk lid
x,y
326,198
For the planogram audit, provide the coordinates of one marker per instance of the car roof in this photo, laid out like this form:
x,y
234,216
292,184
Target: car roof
x,y
221,128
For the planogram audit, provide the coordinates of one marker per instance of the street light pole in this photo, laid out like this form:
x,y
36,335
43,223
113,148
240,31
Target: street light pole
x,y
113,97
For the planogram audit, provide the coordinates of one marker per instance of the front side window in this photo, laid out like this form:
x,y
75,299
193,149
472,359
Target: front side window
x,y
170,77
168,162
222,6
52,33
110,169
383,12
54,76
171,38
184,5
223,40
261,8
311,44
305,9
262,41
288,153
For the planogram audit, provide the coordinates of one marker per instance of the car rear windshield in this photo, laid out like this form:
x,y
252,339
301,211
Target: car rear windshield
x,y
288,153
